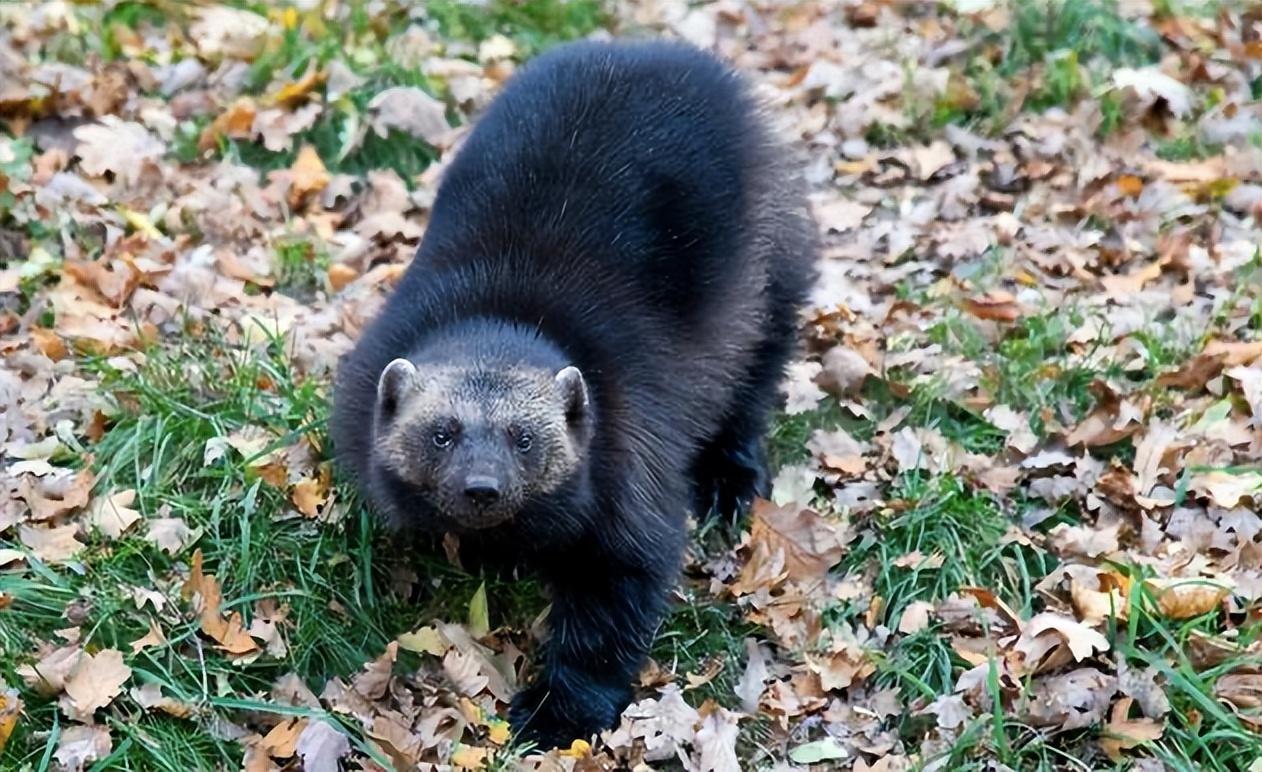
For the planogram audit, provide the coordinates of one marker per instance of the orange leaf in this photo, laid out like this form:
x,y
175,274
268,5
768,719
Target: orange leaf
x,y
1130,185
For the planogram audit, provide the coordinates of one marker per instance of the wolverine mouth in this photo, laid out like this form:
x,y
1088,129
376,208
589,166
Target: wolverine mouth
x,y
475,519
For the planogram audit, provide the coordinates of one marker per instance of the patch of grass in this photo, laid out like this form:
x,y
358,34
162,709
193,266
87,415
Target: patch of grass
x,y
336,130
700,632
1093,29
533,25
958,533
334,580
300,266
1060,48
126,16
1186,147
1034,367
921,665
1201,731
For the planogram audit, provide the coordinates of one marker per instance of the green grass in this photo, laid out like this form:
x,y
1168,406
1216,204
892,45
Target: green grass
x,y
533,25
944,520
334,579
1186,147
301,266
1050,53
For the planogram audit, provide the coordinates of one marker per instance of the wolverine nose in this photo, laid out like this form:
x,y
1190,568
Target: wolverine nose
x,y
482,490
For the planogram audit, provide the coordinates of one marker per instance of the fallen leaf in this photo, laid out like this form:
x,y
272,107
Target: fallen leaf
x,y
10,709
52,545
1123,733
716,740
79,745
411,111
112,514
1186,598
307,176
321,746
95,681
171,534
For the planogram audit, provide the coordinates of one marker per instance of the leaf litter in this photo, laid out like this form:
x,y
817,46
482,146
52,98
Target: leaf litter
x,y
1041,280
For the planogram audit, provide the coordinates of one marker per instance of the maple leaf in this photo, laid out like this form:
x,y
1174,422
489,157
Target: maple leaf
x,y
94,683
118,147
409,110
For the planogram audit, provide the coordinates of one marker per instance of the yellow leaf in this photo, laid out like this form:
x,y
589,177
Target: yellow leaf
x,y
140,222
425,639
479,616
578,749
1130,185
292,93
10,708
498,731
469,757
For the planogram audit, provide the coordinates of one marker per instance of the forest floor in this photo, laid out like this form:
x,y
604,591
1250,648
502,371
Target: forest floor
x,y
1014,523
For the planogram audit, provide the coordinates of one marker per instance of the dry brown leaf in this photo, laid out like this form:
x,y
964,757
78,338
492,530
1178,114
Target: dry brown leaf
x,y
374,679
154,637
229,634
112,514
411,111
48,676
171,534
1049,640
79,745
150,697
95,681
995,306
307,176
282,741
310,493
1186,598
51,545
56,494
809,543
1123,733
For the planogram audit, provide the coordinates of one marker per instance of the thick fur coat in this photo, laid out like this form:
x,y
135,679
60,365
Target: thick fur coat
x,y
622,209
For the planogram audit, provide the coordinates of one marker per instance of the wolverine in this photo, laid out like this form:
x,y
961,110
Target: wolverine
x,y
587,347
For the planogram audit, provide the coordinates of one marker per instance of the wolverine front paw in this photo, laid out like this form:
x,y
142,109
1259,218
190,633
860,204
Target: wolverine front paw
x,y
551,717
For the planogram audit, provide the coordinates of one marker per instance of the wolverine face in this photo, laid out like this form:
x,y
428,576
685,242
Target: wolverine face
x,y
476,444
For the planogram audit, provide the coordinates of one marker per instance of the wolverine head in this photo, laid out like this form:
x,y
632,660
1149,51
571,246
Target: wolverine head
x,y
474,443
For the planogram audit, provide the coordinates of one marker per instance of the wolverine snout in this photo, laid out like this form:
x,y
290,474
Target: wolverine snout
x,y
482,490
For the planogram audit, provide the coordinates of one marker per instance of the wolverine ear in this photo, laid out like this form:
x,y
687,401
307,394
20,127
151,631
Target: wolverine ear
x,y
397,380
573,393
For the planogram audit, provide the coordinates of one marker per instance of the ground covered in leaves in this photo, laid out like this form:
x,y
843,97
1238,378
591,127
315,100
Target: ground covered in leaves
x,y
1015,519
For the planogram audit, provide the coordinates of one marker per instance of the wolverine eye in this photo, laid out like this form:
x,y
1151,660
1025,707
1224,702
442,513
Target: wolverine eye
x,y
524,441
442,438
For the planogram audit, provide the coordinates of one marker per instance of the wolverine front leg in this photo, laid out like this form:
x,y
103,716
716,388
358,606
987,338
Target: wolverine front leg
x,y
602,624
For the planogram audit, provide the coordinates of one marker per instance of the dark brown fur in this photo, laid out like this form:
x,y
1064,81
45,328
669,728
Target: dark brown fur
x,y
620,209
